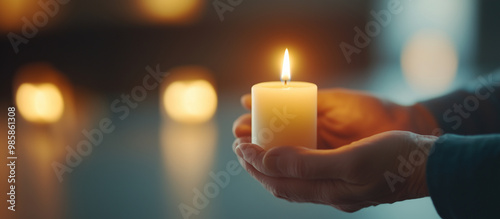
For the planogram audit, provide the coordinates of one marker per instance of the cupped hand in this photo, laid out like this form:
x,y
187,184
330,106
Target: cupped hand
x,y
345,116
383,168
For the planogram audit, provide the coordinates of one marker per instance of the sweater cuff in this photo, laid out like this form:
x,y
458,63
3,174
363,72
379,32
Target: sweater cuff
x,y
463,176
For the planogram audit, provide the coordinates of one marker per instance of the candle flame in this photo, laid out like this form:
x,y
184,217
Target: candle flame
x,y
285,72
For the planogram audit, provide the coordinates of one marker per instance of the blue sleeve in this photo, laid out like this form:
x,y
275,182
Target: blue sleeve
x,y
471,111
463,176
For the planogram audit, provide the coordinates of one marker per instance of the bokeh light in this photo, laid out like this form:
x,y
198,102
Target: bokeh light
x,y
11,12
190,97
429,62
190,101
44,95
40,103
173,11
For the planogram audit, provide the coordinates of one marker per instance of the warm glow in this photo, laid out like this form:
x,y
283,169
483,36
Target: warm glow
x,y
429,62
40,102
191,101
285,72
11,12
177,11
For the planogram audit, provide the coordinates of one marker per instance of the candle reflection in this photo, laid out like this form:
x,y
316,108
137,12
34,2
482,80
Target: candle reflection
x,y
46,120
188,133
188,153
46,197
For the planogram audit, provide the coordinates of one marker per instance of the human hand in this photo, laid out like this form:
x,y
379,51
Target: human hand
x,y
345,116
383,168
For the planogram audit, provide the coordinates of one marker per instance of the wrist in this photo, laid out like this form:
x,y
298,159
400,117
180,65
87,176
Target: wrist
x,y
423,146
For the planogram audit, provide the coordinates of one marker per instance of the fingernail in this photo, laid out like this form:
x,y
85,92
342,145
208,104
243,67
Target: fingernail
x,y
243,129
238,151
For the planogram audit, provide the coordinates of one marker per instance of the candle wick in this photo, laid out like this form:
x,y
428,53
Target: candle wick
x,y
285,82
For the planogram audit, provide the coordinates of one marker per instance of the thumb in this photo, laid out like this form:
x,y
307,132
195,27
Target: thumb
x,y
295,162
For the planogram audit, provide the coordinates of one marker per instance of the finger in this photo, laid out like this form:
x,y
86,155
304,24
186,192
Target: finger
x,y
246,101
241,140
242,126
296,190
329,98
328,137
251,153
296,162
337,121
338,98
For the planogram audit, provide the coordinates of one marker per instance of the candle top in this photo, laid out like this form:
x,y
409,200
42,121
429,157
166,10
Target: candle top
x,y
279,84
285,83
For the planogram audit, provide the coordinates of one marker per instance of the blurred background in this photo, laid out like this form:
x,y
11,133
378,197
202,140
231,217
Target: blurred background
x,y
100,134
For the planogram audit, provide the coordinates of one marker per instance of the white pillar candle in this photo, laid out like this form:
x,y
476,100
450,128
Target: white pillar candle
x,y
284,113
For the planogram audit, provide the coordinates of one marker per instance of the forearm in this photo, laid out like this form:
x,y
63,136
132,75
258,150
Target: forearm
x,y
474,110
463,176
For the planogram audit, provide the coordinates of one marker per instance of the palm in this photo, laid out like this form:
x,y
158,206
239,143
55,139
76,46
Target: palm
x,y
371,159
364,173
